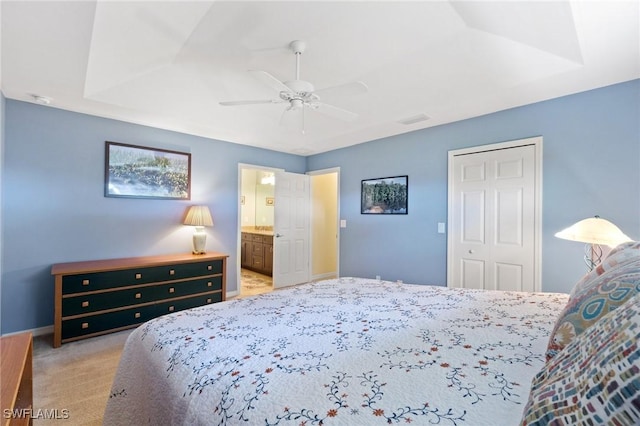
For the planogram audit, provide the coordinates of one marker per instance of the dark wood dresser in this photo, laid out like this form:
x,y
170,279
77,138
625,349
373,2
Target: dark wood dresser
x,y
104,296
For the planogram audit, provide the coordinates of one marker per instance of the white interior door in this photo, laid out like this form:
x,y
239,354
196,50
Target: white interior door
x,y
291,231
494,219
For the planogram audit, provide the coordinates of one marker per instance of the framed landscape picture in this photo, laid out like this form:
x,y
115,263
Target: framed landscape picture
x,y
140,172
385,195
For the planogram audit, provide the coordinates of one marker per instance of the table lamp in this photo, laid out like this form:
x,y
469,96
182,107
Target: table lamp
x,y
594,231
199,217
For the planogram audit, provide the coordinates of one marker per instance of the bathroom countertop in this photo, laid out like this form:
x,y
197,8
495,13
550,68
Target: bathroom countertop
x,y
257,231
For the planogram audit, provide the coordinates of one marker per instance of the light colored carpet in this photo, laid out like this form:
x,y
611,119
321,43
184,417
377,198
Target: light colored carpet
x,y
75,379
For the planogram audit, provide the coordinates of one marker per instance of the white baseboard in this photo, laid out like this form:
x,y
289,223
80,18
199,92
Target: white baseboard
x,y
326,276
34,331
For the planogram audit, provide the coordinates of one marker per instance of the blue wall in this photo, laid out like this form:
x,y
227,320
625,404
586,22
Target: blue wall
x,y
591,165
54,210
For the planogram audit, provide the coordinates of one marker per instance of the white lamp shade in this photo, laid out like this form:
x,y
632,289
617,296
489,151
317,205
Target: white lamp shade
x,y
198,216
594,230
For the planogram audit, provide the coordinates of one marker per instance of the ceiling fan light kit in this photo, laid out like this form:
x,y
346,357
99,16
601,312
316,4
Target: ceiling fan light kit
x,y
300,93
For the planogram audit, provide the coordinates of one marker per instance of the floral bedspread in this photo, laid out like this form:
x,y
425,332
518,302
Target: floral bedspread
x,y
349,351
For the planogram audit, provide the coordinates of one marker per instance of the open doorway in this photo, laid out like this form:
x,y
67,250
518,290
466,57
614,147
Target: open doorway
x,y
325,232
256,222
256,229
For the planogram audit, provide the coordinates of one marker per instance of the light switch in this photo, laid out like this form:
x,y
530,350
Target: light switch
x,y
441,228
343,223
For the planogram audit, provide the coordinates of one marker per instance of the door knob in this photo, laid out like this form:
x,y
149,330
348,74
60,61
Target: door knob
x,y
279,235
470,251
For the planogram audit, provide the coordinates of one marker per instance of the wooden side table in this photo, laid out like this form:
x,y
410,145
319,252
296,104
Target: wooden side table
x,y
16,377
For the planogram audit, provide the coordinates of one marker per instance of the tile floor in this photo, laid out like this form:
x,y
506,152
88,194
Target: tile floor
x,y
253,283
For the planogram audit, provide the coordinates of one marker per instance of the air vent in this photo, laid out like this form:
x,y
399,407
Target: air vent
x,y
415,119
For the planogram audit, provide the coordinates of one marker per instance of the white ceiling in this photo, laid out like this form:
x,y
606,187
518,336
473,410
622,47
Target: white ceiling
x,y
168,64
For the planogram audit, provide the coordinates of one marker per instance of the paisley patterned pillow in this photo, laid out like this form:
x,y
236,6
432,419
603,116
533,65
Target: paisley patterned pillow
x,y
595,379
618,255
596,295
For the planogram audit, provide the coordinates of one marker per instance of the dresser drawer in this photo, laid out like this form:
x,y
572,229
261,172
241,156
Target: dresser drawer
x,y
122,278
130,317
185,288
103,322
87,303
191,302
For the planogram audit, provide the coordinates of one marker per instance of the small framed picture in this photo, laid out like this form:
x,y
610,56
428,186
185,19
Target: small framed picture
x,y
385,195
270,201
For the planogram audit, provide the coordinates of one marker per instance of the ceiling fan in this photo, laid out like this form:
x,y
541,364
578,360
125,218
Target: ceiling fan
x,y
301,95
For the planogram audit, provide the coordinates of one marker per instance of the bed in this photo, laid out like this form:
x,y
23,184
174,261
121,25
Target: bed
x,y
349,351
355,351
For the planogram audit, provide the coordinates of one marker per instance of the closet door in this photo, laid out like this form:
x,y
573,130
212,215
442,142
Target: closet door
x,y
493,212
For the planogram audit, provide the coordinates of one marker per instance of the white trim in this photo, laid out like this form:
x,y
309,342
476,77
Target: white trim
x,y
536,141
325,172
321,277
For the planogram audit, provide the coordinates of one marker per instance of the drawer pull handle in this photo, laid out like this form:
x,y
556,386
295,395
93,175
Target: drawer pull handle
x,y
172,272
137,315
85,304
138,276
171,308
138,295
85,325
209,267
85,282
208,300
172,290
209,284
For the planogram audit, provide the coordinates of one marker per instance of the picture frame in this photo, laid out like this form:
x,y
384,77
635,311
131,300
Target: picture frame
x,y
388,195
270,201
133,171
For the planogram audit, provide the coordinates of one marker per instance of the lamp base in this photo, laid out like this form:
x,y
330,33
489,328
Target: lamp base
x,y
592,255
199,241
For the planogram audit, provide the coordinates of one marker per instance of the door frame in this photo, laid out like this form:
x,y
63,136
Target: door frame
x,y
536,141
319,173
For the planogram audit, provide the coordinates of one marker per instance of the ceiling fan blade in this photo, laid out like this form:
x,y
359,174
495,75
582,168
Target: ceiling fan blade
x,y
257,102
334,111
347,89
270,80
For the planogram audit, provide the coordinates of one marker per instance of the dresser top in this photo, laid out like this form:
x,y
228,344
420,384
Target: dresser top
x,y
132,262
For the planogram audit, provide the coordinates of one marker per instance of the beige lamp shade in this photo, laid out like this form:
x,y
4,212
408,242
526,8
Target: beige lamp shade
x,y
198,216
594,230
